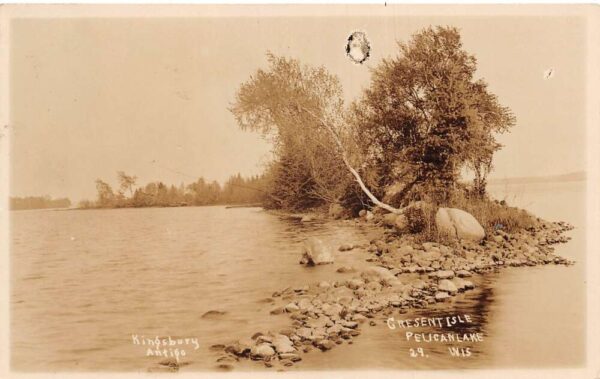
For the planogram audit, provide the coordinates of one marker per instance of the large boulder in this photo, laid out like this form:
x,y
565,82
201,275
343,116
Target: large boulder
x,y
459,224
314,252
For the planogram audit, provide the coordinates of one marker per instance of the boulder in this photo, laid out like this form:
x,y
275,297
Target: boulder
x,y
264,350
458,224
314,252
283,344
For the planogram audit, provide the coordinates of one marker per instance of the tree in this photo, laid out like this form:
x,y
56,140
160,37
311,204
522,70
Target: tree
x,y
126,182
424,117
300,108
106,197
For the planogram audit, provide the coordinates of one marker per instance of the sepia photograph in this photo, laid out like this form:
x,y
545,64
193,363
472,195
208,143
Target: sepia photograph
x,y
306,190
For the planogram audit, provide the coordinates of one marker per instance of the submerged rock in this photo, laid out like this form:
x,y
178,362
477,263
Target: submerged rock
x,y
459,224
213,314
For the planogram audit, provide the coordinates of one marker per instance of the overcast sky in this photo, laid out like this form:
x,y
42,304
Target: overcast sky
x,y
90,97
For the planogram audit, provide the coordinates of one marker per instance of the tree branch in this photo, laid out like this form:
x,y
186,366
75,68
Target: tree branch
x,y
356,175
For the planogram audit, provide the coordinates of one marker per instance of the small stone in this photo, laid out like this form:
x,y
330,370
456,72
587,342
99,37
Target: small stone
x,y
359,318
441,296
447,286
291,307
213,314
277,311
463,274
372,323
325,344
345,269
346,247
170,362
355,284
418,284
443,274
459,283
290,356
217,347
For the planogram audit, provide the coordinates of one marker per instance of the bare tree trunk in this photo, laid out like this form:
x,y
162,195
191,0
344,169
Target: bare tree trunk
x,y
355,173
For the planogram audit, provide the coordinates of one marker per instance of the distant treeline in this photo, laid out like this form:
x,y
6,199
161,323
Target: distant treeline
x,y
38,202
237,190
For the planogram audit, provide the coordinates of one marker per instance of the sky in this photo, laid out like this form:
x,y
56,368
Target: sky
x,y
93,96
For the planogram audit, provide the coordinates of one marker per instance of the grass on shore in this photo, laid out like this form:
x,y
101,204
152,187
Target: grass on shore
x,y
491,214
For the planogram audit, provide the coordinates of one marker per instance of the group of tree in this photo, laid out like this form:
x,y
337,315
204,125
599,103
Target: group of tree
x,y
38,202
236,190
423,122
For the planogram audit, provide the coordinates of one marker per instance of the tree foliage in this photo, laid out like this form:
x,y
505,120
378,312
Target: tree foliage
x,y
38,202
425,117
236,190
288,103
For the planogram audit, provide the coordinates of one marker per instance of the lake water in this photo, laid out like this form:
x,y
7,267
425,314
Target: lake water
x,y
84,282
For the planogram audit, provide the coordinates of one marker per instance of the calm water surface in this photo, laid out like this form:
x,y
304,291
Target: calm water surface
x,y
82,282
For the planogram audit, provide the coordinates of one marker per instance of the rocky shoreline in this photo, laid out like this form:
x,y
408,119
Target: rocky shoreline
x,y
401,274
